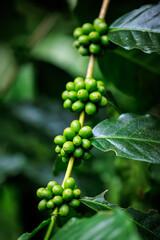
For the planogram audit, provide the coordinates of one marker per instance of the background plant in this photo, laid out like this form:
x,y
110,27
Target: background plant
x,y
29,122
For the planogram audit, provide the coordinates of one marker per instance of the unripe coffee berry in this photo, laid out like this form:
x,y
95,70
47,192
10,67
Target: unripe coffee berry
x,y
77,140
69,183
82,95
76,44
83,51
105,40
65,95
74,203
100,83
103,102
72,95
78,106
85,132
50,204
68,147
58,149
84,40
90,108
97,21
57,190
39,192
77,193
42,205
47,194
80,85
95,96
59,140
78,32
86,143
91,85
69,133
94,37
64,210
101,28
87,155
94,48
58,200
64,153
67,104
75,125
101,89
78,152
87,28
67,194
51,184
78,79
70,86
65,159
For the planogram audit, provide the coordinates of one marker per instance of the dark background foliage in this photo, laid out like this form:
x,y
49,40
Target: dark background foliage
x,y
36,61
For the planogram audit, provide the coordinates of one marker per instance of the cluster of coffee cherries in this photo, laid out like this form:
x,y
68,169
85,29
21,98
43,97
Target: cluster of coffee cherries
x,y
84,94
74,142
55,196
91,38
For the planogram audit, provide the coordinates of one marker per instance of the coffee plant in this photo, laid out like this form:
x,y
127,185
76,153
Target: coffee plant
x,y
129,136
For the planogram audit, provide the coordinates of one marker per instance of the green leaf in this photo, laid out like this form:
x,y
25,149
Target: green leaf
x,y
104,225
130,136
27,236
138,29
148,222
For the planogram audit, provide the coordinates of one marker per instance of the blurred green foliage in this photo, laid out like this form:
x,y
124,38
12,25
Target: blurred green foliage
x,y
36,61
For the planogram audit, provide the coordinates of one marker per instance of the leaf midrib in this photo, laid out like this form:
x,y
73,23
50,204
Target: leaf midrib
x,y
126,138
127,29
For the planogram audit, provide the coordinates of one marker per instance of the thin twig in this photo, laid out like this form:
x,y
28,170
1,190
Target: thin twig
x,y
104,8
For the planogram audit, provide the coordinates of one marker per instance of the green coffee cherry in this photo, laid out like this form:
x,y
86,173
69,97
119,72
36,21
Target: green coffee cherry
x,y
82,95
87,155
103,102
65,159
84,40
105,40
68,147
91,85
69,183
74,203
87,28
67,104
76,44
87,79
86,143
69,133
67,194
42,205
65,95
47,194
78,79
101,28
77,140
50,204
85,132
94,37
90,108
78,32
59,140
70,86
57,190
78,152
94,48
39,192
101,89
77,193
58,200
64,210
72,95
100,83
51,184
64,153
75,125
58,149
78,106
83,51
97,21
80,85
95,96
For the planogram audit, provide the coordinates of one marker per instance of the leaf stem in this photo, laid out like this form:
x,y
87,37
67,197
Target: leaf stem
x,y
51,225
104,8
